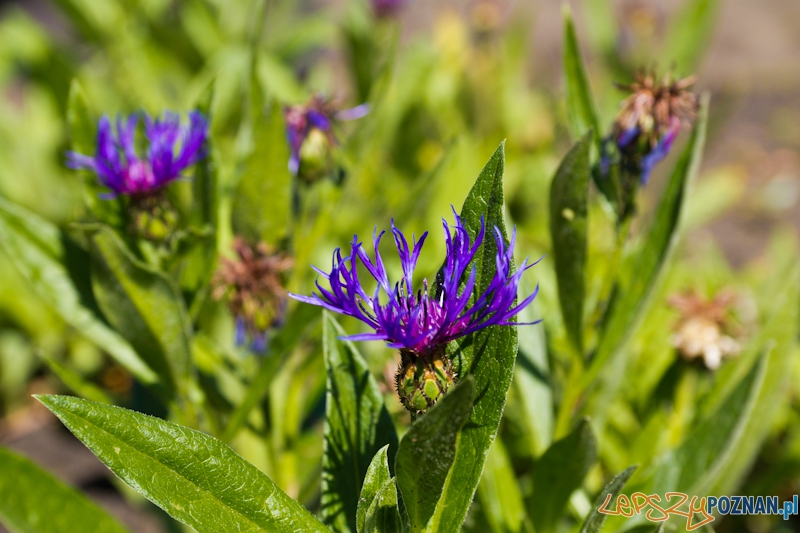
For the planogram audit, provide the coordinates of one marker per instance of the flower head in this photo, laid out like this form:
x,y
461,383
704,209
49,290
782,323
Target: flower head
x,y
253,286
650,120
420,322
309,131
172,147
423,320
703,328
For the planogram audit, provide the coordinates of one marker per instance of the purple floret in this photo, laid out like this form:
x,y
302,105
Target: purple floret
x,y
425,320
172,148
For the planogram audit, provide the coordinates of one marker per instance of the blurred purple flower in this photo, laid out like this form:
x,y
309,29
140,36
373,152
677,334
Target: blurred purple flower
x,y
172,148
318,114
424,321
649,121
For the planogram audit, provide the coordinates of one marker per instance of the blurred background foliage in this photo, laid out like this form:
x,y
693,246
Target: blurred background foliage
x,y
446,81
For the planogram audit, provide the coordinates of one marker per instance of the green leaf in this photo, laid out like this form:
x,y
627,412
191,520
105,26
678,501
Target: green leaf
x,y
383,515
569,194
688,34
82,128
79,120
76,383
37,249
377,476
488,354
426,454
594,522
142,304
262,202
280,347
559,472
33,501
357,425
581,110
532,379
658,242
195,478
498,491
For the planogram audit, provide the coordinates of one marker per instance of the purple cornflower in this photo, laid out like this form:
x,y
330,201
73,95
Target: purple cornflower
x,y
649,121
421,322
172,148
311,124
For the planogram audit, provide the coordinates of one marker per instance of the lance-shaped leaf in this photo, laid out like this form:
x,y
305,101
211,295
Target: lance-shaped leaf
x,y
657,244
594,522
42,254
195,478
559,472
262,202
33,501
499,493
143,305
426,455
377,476
569,194
357,425
581,111
488,355
688,33
383,515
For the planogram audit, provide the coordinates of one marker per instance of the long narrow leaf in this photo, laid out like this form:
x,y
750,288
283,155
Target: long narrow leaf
x,y
195,478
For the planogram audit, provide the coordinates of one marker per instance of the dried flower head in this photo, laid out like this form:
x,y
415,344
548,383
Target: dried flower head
x,y
650,119
704,327
421,322
253,286
172,147
309,131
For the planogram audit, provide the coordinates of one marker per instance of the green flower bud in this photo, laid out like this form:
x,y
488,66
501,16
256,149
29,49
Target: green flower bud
x,y
423,379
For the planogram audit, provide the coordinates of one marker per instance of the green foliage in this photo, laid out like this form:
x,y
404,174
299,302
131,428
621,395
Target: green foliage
x,y
426,458
33,501
569,194
560,472
312,422
357,427
143,304
185,472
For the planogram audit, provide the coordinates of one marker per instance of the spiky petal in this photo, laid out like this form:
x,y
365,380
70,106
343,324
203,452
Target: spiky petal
x,y
172,147
423,320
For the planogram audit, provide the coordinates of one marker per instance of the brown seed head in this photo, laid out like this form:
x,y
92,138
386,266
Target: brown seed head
x,y
655,106
253,284
704,327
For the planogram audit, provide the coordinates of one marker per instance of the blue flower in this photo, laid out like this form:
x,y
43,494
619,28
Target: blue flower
x,y
422,321
172,148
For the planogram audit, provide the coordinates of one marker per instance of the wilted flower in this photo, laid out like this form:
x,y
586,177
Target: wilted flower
x,y
420,323
309,130
649,121
253,286
172,148
703,327
387,8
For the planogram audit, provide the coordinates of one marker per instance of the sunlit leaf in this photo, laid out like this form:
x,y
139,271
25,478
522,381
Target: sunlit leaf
x,y
195,478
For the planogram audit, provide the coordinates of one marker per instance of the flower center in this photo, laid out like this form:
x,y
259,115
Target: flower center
x,y
139,177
